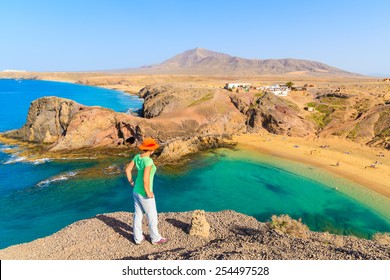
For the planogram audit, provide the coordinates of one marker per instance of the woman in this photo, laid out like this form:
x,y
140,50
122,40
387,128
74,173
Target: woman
x,y
144,201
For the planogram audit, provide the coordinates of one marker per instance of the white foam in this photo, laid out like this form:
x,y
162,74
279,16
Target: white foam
x,y
59,178
5,148
15,159
41,160
133,111
78,158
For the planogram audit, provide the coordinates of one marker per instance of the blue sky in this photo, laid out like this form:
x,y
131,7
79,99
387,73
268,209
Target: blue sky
x,y
72,35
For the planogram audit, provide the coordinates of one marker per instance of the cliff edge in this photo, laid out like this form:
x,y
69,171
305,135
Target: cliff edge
x,y
232,236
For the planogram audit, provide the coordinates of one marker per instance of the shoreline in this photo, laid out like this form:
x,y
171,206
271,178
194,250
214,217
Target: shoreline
x,y
128,90
375,179
352,165
352,157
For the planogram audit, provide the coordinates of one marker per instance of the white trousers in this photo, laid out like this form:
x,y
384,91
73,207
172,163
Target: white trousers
x,y
148,206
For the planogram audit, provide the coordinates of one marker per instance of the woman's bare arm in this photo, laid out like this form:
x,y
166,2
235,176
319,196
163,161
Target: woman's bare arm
x,y
128,170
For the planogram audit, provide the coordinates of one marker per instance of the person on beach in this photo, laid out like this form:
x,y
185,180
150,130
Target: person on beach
x,y
144,201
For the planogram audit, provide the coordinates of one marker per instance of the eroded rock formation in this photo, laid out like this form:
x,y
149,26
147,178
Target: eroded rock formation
x,y
273,114
183,119
199,224
371,127
66,125
48,118
166,98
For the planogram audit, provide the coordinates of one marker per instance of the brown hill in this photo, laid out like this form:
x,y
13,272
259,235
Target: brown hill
x,y
200,61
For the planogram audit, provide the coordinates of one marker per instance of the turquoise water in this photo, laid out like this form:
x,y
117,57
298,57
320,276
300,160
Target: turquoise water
x,y
19,94
56,193
19,200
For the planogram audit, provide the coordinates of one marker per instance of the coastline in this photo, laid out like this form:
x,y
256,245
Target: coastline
x,y
352,165
125,89
352,157
309,151
359,156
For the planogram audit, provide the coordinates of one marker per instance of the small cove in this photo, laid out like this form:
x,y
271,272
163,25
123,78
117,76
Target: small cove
x,y
53,194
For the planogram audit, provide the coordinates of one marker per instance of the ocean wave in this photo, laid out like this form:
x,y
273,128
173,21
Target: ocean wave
x,y
129,111
15,159
5,148
59,178
70,158
41,160
133,111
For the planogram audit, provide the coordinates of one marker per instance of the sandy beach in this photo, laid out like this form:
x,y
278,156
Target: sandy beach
x,y
354,160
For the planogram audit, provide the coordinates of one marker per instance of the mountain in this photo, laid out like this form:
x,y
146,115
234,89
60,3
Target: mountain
x,y
200,61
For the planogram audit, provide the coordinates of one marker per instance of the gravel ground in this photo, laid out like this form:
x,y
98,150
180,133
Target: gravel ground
x,y
232,236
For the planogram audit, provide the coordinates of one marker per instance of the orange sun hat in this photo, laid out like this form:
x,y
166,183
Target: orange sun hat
x,y
149,144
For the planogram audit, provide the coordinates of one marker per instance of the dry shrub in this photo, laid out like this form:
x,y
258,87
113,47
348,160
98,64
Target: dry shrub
x,y
286,225
382,238
332,239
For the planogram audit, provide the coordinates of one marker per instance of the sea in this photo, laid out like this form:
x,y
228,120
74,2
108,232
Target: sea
x,y
38,198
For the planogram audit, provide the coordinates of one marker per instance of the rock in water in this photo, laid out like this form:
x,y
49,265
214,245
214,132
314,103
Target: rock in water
x,y
197,119
48,119
199,224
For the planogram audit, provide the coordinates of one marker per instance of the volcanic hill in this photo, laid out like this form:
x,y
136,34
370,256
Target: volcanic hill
x,y
200,61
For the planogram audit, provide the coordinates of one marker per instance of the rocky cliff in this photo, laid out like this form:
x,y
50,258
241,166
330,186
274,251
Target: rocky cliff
x,y
48,118
166,98
232,236
363,117
187,124
183,118
274,114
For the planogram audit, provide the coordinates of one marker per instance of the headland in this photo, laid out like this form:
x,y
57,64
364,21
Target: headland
x,y
233,236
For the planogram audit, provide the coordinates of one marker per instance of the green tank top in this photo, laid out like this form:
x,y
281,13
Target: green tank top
x,y
141,163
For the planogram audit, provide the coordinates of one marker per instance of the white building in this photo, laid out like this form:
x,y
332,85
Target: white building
x,y
17,71
237,85
278,90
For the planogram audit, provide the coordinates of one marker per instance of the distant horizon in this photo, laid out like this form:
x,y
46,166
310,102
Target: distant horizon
x,y
379,75
81,36
156,63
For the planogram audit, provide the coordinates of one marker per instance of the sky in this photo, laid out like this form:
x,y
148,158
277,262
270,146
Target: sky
x,y
84,35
